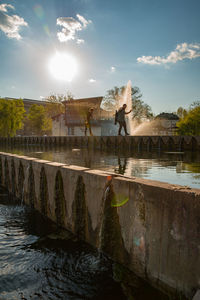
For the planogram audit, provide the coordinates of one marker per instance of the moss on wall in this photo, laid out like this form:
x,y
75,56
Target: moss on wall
x,y
44,197
79,210
59,200
13,179
6,174
1,172
111,241
21,181
31,187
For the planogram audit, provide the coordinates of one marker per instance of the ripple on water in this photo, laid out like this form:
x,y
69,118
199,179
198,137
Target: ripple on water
x,y
34,266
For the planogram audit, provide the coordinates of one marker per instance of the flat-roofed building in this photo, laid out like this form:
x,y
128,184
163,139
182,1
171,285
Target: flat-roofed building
x,y
75,115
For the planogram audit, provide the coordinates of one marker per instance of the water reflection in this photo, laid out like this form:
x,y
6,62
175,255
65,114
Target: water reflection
x,y
173,167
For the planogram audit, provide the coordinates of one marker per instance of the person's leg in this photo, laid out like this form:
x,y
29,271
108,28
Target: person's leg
x,y
125,129
120,128
85,129
90,130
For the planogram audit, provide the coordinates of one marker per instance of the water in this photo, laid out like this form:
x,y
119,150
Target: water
x,y
181,168
38,261
36,264
127,99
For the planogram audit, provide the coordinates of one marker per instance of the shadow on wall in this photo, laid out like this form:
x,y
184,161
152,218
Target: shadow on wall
x,y
44,198
31,188
59,200
79,210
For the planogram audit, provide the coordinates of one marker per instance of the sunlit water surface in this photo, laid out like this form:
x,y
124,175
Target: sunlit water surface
x,y
181,168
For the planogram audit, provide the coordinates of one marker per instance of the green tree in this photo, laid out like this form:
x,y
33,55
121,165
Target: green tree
x,y
38,120
11,116
190,123
140,111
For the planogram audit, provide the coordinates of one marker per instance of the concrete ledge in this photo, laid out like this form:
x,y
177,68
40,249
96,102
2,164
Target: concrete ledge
x,y
168,143
149,226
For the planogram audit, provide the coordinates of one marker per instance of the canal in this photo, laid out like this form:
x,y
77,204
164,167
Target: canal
x,y
181,168
38,261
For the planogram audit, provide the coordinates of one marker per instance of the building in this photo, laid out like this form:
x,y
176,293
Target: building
x,y
28,102
58,125
166,123
73,121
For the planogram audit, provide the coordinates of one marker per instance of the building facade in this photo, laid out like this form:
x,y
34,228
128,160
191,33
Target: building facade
x,y
73,120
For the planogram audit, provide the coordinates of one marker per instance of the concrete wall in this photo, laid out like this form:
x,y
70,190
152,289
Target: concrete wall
x,y
153,228
168,143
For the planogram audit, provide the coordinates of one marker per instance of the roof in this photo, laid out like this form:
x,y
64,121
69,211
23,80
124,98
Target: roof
x,y
85,101
167,116
27,100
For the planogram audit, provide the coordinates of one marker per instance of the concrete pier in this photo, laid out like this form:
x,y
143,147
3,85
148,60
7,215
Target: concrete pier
x,y
152,228
166,143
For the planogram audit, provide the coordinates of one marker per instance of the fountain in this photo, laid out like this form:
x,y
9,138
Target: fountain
x,y
127,99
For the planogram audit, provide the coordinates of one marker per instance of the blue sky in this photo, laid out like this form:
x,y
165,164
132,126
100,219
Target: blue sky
x,y
155,44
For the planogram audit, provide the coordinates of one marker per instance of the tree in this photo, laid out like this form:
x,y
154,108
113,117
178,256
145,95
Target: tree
x,y
190,123
114,96
195,104
181,112
141,111
11,116
54,103
38,120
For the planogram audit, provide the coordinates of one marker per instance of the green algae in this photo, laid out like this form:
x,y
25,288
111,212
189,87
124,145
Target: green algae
x,y
59,200
44,196
79,210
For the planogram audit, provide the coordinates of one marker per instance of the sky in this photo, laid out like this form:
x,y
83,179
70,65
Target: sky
x,y
101,44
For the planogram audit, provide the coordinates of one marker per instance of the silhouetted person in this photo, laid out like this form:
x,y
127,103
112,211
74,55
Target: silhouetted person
x,y
88,120
121,119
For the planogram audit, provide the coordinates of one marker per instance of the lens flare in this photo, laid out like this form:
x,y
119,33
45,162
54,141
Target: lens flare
x,y
39,11
119,200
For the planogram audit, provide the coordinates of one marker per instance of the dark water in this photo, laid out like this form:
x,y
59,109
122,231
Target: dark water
x,y
36,264
39,262
181,168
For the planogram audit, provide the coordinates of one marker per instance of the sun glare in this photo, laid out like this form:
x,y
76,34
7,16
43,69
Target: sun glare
x,y
63,66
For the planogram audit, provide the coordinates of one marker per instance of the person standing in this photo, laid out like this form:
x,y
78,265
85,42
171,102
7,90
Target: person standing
x,y
121,119
89,116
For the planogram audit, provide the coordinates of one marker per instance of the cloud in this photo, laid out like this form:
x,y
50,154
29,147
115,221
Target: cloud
x,y
182,51
112,69
80,41
83,20
92,80
10,24
3,7
70,26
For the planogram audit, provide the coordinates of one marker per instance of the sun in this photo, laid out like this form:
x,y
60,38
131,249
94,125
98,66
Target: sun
x,y
63,66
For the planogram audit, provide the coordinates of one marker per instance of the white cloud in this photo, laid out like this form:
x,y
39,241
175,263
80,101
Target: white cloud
x,y
182,51
83,20
112,69
4,6
92,80
69,28
10,24
80,41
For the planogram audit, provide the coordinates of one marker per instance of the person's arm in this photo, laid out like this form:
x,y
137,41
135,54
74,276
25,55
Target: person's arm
x,y
126,113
